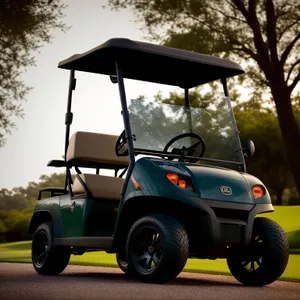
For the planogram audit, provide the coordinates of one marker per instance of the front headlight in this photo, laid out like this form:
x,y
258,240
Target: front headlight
x,y
258,191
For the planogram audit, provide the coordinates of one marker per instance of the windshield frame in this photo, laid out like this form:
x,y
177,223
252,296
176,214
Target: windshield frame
x,y
152,126
162,154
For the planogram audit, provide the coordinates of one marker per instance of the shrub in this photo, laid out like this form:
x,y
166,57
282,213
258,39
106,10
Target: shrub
x,y
294,239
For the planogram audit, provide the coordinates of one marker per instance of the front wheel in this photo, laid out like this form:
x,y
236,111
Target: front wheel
x,y
122,262
48,259
264,260
157,248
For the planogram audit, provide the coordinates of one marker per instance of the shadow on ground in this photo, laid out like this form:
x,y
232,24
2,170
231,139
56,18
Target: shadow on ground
x,y
132,279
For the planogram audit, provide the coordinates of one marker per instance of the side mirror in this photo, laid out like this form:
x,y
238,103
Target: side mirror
x,y
250,148
114,79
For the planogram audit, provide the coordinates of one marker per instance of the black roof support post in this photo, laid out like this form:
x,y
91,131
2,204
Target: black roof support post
x,y
235,129
186,97
187,105
126,122
69,119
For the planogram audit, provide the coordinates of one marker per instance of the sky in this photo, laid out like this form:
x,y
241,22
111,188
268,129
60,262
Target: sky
x,y
96,107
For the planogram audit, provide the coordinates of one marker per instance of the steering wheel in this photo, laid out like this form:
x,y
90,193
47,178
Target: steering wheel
x,y
186,151
121,142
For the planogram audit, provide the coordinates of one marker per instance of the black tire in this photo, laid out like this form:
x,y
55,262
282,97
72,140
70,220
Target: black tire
x,y
122,262
157,248
264,260
46,258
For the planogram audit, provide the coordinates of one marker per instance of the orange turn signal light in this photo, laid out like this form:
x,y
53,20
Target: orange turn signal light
x,y
174,178
258,191
182,183
135,183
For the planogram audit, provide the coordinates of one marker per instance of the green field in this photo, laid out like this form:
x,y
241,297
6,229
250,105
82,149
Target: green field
x,y
20,252
287,217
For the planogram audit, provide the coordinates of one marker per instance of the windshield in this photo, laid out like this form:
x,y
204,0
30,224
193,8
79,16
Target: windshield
x,y
155,123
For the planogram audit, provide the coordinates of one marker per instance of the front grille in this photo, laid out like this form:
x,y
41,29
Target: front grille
x,y
231,233
235,214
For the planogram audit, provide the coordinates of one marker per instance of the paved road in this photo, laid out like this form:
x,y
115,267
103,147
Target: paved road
x,y
19,281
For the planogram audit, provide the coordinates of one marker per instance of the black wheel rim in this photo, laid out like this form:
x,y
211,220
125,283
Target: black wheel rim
x,y
146,249
40,247
253,259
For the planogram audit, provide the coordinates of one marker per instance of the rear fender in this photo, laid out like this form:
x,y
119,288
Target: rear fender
x,y
37,219
48,210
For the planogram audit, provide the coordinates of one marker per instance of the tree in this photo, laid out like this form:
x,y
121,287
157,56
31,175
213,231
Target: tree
x,y
16,206
25,25
12,199
14,225
265,33
2,231
22,198
269,162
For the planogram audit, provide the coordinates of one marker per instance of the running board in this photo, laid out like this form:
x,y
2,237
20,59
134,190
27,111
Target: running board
x,y
92,242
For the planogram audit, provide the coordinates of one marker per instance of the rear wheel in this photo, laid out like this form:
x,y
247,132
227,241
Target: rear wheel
x,y
48,259
157,248
264,260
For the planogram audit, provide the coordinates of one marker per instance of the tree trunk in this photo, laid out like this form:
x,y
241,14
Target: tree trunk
x,y
279,196
289,129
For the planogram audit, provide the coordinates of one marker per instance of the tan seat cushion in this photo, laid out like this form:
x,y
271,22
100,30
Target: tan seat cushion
x,y
95,147
104,187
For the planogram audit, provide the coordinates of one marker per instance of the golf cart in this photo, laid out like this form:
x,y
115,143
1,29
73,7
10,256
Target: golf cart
x,y
180,188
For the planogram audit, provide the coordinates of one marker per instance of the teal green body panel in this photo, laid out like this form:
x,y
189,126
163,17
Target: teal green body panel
x,y
68,221
208,180
151,173
153,182
74,218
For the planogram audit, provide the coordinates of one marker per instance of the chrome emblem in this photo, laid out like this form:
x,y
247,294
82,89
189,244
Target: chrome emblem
x,y
226,190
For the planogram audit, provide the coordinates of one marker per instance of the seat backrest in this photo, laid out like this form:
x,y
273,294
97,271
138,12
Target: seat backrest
x,y
97,148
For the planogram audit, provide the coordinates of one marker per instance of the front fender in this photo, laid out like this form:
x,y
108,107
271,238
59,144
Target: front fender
x,y
154,186
256,210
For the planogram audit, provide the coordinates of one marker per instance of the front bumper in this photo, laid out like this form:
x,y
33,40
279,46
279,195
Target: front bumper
x,y
232,223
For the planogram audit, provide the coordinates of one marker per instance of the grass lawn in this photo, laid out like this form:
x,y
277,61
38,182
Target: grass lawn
x,y
20,252
286,216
